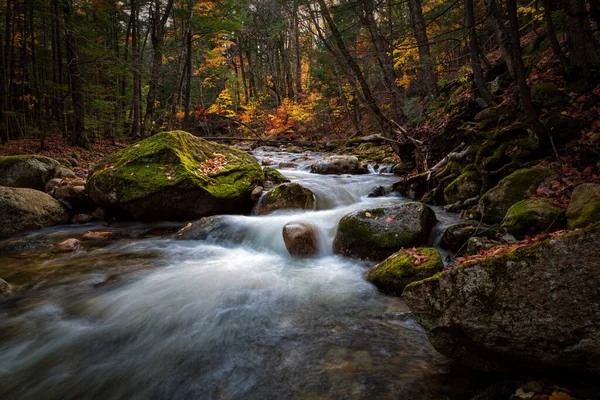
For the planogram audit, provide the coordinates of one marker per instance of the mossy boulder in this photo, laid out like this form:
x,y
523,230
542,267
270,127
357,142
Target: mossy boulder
x,y
532,216
476,244
515,187
274,176
402,268
545,95
375,234
466,186
456,236
23,210
584,207
286,196
535,307
336,165
175,175
31,171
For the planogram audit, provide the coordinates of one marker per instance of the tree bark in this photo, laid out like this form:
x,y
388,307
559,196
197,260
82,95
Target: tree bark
x,y
135,52
551,31
425,59
502,34
475,54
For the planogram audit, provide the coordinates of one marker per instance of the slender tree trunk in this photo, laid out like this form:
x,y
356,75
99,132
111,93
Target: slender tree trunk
x,y
524,91
187,96
3,99
580,39
159,22
551,31
79,134
502,34
475,55
425,59
135,52
298,53
243,71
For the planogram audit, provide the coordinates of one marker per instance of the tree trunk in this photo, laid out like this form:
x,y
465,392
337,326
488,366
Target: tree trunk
x,y
551,31
298,53
425,59
135,52
580,39
524,91
79,133
475,55
502,34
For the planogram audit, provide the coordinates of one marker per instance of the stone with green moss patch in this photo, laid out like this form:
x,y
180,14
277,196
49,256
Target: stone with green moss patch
x,y
31,171
402,268
515,187
286,196
545,94
466,186
273,175
175,175
456,236
375,234
532,216
584,207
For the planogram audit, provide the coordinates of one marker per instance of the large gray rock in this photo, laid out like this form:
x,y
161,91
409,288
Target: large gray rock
x,y
23,210
584,207
532,216
336,165
300,239
537,306
217,228
175,176
375,234
31,171
286,196
515,187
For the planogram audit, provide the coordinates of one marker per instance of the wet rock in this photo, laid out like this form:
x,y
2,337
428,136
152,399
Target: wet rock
x,y
68,245
379,191
404,267
515,187
256,193
272,175
75,197
584,207
82,218
99,236
175,176
337,165
456,236
538,306
31,171
375,234
532,216
267,162
300,239
477,244
287,165
266,149
51,184
5,289
217,227
466,186
286,196
28,243
22,210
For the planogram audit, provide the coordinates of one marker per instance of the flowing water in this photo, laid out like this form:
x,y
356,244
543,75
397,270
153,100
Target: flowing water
x,y
146,317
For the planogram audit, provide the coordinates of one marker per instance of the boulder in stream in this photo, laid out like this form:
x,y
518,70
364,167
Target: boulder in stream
x,y
216,227
404,267
22,210
456,236
337,165
515,187
300,239
31,171
175,175
375,234
286,196
537,306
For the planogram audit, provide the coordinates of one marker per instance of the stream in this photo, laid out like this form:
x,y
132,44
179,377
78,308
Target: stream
x,y
146,317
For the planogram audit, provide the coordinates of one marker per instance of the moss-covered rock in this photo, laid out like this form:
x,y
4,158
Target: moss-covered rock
x,y
545,95
286,196
515,187
375,234
456,236
534,307
175,175
533,216
476,244
466,186
402,268
23,210
584,207
31,171
273,175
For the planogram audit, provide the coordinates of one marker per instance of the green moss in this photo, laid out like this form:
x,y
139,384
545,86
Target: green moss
x,y
545,94
8,161
584,208
532,216
372,238
175,159
398,270
467,185
273,175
